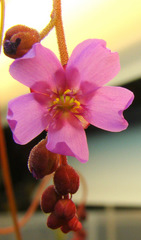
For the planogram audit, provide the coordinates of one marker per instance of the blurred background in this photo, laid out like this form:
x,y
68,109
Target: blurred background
x,y
113,170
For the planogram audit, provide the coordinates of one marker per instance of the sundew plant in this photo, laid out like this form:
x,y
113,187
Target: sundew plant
x,y
65,96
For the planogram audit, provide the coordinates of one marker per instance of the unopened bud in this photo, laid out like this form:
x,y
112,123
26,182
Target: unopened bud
x,y
81,212
66,180
41,161
48,199
19,40
54,222
81,234
65,228
74,224
65,208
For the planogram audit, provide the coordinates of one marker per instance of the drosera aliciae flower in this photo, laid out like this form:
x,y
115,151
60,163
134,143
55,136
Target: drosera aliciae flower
x,y
64,101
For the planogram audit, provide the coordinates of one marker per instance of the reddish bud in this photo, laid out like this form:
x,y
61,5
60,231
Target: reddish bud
x,y
48,199
19,40
41,161
54,222
71,225
65,208
81,212
74,224
65,228
66,180
81,234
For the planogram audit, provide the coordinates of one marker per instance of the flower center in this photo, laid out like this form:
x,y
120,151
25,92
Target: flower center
x,y
66,102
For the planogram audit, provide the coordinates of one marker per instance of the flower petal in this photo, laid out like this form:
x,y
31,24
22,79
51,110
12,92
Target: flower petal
x,y
95,63
66,136
37,69
27,116
105,109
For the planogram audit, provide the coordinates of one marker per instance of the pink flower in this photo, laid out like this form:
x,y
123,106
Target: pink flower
x,y
65,100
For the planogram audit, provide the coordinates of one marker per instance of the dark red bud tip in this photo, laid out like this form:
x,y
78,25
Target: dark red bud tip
x,y
65,228
48,199
66,180
81,234
11,47
41,161
54,222
81,212
19,40
65,208
74,224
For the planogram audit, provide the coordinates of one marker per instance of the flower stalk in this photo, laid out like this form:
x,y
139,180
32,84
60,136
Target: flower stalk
x,y
8,184
2,21
60,32
48,28
32,208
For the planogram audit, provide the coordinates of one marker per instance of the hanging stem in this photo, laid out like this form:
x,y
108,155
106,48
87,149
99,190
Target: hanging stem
x,y
2,21
31,208
85,188
60,32
7,182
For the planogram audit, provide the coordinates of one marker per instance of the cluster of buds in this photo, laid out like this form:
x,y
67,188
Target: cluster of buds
x,y
57,198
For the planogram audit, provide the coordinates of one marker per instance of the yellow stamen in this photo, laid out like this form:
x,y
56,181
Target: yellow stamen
x,y
56,101
67,91
62,98
66,102
77,103
68,99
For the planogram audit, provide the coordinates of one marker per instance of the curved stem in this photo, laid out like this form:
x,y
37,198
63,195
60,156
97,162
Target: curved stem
x,y
8,183
48,28
31,209
2,21
84,185
60,32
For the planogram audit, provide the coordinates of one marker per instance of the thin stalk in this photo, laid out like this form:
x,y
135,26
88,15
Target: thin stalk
x,y
48,28
2,22
60,32
8,183
84,187
32,208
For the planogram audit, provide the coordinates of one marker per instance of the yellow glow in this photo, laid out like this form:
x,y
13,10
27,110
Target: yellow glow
x,y
116,21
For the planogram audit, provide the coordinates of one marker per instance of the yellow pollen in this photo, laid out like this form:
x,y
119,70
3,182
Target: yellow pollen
x,y
77,103
56,101
67,91
66,102
68,99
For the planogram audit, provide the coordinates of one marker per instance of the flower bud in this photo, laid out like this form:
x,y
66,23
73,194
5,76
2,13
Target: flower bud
x,y
48,199
19,40
41,161
81,234
71,225
74,224
65,208
81,212
54,222
65,228
66,180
